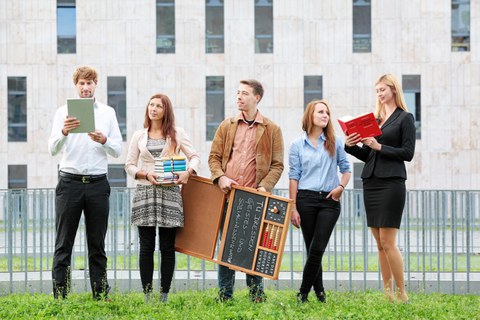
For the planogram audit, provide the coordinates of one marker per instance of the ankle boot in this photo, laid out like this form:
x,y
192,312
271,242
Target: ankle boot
x,y
302,297
164,297
321,296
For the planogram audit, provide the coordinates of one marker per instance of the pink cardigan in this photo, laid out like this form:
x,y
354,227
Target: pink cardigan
x,y
140,159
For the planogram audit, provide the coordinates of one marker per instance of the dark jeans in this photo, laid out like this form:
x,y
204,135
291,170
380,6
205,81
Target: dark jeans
x,y
318,217
226,276
72,197
167,251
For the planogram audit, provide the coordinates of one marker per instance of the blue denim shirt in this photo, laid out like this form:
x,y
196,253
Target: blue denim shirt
x,y
312,167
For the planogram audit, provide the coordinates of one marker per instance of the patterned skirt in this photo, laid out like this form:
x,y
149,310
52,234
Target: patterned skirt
x,y
157,206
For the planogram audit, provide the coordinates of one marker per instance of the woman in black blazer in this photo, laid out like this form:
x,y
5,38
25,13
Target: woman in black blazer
x,y
384,178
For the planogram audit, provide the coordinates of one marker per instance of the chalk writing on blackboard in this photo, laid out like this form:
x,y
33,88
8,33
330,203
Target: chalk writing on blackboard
x,y
243,229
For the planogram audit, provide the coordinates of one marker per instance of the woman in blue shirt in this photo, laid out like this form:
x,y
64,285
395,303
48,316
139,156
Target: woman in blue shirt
x,y
316,190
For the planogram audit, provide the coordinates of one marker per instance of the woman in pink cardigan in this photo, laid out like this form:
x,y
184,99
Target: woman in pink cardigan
x,y
157,205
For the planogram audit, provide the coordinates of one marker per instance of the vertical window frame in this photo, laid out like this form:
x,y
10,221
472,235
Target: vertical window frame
x,y
214,112
165,40
361,41
357,175
311,92
264,38
115,97
117,177
17,176
214,32
17,109
66,12
461,10
412,90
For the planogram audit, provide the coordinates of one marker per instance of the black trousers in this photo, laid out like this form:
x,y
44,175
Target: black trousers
x,y
167,252
318,216
72,197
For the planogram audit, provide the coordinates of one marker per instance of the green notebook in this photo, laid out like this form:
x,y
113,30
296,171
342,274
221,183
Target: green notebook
x,y
82,109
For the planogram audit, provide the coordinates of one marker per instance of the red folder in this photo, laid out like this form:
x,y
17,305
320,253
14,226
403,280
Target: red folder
x,y
366,125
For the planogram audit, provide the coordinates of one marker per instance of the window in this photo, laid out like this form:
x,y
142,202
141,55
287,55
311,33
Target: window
x,y
263,26
357,175
215,112
165,26
312,89
117,99
362,26
17,109
460,25
17,176
117,177
66,26
214,27
411,92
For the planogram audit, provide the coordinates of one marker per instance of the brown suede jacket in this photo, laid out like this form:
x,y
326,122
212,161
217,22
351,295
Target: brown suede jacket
x,y
269,157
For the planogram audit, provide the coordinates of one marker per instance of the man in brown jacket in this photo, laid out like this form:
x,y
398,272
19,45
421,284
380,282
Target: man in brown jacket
x,y
247,150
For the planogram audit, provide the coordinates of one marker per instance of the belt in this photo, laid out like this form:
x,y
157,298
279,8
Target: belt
x,y
83,178
322,194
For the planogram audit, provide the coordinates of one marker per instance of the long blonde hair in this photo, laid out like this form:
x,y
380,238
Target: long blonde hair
x,y
328,131
391,81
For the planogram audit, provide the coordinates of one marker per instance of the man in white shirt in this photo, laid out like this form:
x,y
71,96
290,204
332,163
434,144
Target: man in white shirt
x,y
83,186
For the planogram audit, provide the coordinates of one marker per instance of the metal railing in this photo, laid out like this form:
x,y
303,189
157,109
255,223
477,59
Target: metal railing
x,y
439,237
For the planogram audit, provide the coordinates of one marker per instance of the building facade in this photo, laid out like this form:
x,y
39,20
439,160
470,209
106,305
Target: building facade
x,y
197,51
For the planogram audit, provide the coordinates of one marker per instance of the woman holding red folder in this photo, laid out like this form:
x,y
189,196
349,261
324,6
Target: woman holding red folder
x,y
156,205
384,178
315,159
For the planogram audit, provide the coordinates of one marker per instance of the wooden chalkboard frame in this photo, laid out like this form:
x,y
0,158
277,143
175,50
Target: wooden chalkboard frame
x,y
204,205
267,255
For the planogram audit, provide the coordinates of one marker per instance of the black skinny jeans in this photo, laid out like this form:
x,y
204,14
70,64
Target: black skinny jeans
x,y
167,252
318,217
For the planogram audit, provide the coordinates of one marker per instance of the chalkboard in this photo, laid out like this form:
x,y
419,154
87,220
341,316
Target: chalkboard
x,y
243,229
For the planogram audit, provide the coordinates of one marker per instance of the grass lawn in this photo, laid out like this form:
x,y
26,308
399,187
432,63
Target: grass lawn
x,y
202,305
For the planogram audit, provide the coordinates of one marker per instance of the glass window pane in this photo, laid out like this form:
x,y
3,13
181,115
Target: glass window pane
x,y
412,93
460,25
17,109
66,26
215,111
117,99
117,177
357,175
165,26
17,176
214,26
362,26
312,89
263,26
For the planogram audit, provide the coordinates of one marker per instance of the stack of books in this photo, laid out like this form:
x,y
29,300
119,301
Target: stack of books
x,y
168,168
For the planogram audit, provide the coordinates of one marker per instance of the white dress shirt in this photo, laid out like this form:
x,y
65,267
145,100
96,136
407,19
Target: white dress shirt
x,y
81,155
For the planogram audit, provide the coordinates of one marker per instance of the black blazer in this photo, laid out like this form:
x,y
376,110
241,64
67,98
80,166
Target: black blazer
x,y
398,145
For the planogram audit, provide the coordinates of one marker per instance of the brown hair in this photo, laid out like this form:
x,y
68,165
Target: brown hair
x,y
85,72
328,131
255,85
168,122
391,81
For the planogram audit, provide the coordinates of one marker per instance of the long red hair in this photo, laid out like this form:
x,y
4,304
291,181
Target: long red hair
x,y
168,121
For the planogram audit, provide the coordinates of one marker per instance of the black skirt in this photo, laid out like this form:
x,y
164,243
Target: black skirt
x,y
384,200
